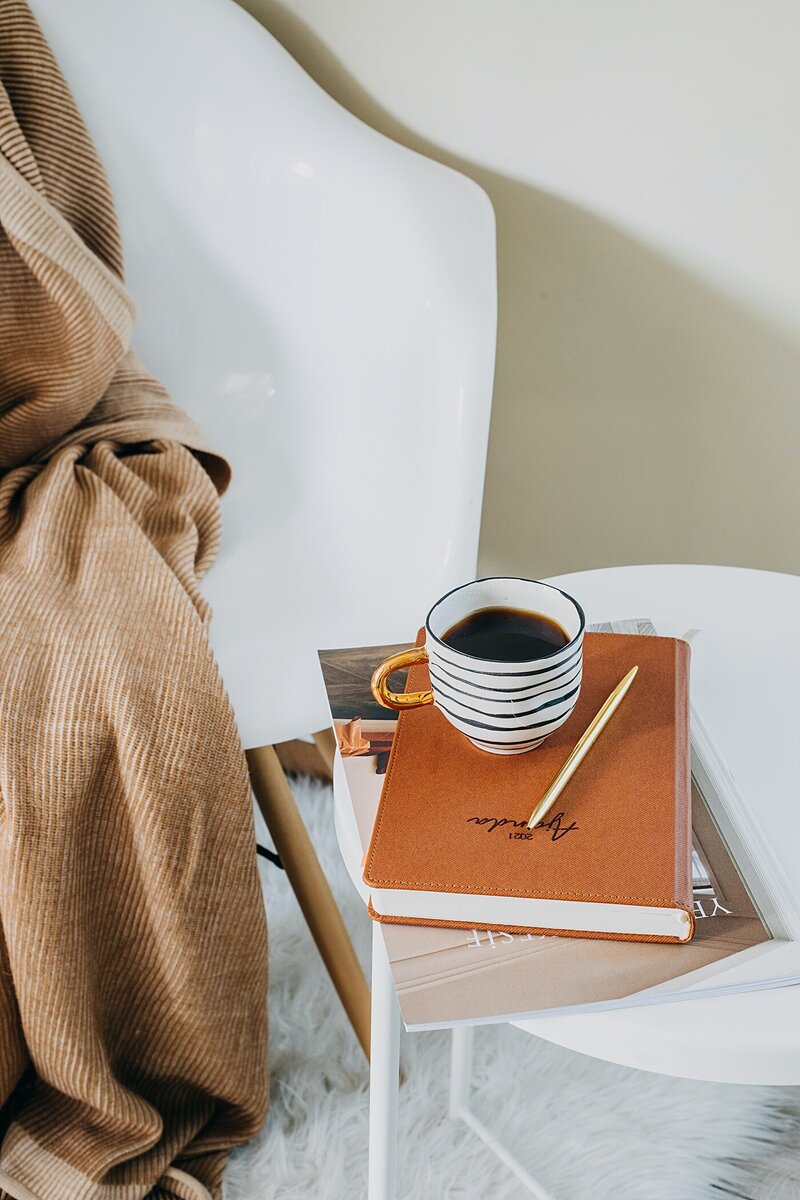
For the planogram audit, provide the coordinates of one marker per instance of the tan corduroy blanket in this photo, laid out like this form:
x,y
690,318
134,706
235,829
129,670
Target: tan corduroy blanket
x,y
132,935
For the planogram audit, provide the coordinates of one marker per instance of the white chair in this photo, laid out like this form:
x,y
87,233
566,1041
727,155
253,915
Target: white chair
x,y
322,301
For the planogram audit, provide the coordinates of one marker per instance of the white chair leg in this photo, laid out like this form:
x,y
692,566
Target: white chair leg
x,y
460,1069
384,1075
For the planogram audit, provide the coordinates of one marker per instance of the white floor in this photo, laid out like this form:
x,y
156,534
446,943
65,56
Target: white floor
x,y
586,1129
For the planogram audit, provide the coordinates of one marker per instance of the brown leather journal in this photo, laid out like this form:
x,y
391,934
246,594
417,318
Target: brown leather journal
x,y
450,845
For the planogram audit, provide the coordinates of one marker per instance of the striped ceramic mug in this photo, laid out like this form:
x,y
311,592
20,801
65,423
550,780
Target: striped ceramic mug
x,y
502,707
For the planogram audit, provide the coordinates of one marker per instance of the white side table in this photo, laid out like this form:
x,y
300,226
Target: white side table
x,y
745,667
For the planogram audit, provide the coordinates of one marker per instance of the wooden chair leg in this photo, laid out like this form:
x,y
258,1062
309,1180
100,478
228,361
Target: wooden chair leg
x,y
326,744
313,892
303,758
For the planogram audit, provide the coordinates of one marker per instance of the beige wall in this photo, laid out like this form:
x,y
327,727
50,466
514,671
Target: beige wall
x,y
642,158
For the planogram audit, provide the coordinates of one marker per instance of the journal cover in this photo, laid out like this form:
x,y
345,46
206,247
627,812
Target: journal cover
x,y
452,818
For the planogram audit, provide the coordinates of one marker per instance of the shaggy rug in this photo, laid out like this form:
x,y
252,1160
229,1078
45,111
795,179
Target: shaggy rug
x,y
586,1129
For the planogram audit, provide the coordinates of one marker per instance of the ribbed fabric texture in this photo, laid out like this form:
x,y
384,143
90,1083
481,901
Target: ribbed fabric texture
x,y
132,934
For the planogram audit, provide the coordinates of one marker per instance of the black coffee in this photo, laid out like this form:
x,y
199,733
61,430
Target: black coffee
x,y
506,635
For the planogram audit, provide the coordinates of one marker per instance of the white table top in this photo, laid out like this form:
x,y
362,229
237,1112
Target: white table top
x,y
744,685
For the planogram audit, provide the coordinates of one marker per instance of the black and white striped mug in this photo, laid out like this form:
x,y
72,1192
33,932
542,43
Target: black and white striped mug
x,y
502,707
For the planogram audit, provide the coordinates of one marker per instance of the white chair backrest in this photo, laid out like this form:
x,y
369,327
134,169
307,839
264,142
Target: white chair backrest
x,y
322,301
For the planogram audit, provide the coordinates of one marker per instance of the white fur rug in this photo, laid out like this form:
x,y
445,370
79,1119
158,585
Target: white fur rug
x,y
587,1130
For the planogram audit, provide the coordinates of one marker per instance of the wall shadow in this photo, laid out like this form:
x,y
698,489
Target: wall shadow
x,y
639,415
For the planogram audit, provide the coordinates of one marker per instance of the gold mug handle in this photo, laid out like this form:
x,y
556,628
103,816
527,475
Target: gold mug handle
x,y
396,662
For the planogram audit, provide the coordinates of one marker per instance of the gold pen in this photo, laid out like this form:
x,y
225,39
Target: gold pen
x,y
584,744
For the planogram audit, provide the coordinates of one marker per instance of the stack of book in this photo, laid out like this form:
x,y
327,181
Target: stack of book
x,y
641,887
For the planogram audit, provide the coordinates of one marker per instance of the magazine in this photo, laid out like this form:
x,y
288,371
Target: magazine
x,y
445,976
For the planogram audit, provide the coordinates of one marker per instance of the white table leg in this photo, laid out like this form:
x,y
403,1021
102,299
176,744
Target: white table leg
x,y
460,1086
384,1075
460,1069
